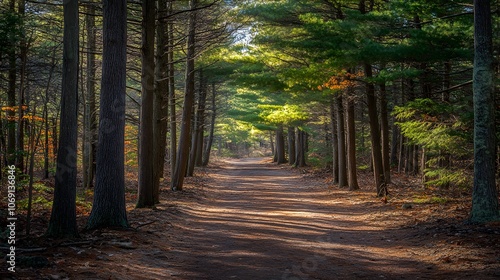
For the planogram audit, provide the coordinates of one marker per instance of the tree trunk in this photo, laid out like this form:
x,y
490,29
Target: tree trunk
x,y
90,110
160,101
171,92
280,145
342,163
63,217
484,197
201,120
208,148
291,145
335,156
11,100
146,190
46,116
273,148
108,209
183,149
300,155
23,55
378,171
351,146
384,125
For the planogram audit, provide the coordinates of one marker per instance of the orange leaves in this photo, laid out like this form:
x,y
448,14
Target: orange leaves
x,y
341,81
11,114
14,108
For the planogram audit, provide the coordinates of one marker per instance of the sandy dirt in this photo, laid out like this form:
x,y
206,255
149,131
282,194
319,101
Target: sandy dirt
x,y
249,219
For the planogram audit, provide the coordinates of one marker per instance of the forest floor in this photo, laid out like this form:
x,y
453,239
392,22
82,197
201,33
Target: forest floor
x,y
250,219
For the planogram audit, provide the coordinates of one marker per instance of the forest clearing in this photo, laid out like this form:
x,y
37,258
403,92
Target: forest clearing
x,y
249,139
249,219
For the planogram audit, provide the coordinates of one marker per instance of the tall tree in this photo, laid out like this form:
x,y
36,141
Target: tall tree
x,y
90,114
108,209
484,197
146,131
160,101
189,91
63,217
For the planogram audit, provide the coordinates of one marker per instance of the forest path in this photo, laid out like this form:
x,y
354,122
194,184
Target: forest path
x,y
253,220
260,221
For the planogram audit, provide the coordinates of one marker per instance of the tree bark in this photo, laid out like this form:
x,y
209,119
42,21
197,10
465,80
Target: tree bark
x,y
146,190
90,106
160,101
335,153
108,209
341,150
291,145
351,146
378,171
300,155
63,217
208,148
484,197
384,125
280,145
183,149
171,92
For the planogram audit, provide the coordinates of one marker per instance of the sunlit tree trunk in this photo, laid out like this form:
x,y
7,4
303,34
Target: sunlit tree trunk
x,y
183,148
208,148
280,145
291,145
300,153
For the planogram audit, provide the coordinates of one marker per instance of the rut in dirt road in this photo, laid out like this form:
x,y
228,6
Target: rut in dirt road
x,y
263,222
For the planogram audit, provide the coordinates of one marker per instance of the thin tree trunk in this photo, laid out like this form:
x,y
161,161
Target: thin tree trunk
x,y
90,106
291,145
378,171
23,54
351,146
384,125
171,92
183,149
342,163
206,157
335,155
11,100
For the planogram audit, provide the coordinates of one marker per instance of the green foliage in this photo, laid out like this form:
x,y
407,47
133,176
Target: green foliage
x,y
435,127
430,124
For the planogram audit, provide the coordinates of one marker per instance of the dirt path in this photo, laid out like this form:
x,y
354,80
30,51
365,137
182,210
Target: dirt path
x,y
255,220
259,221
